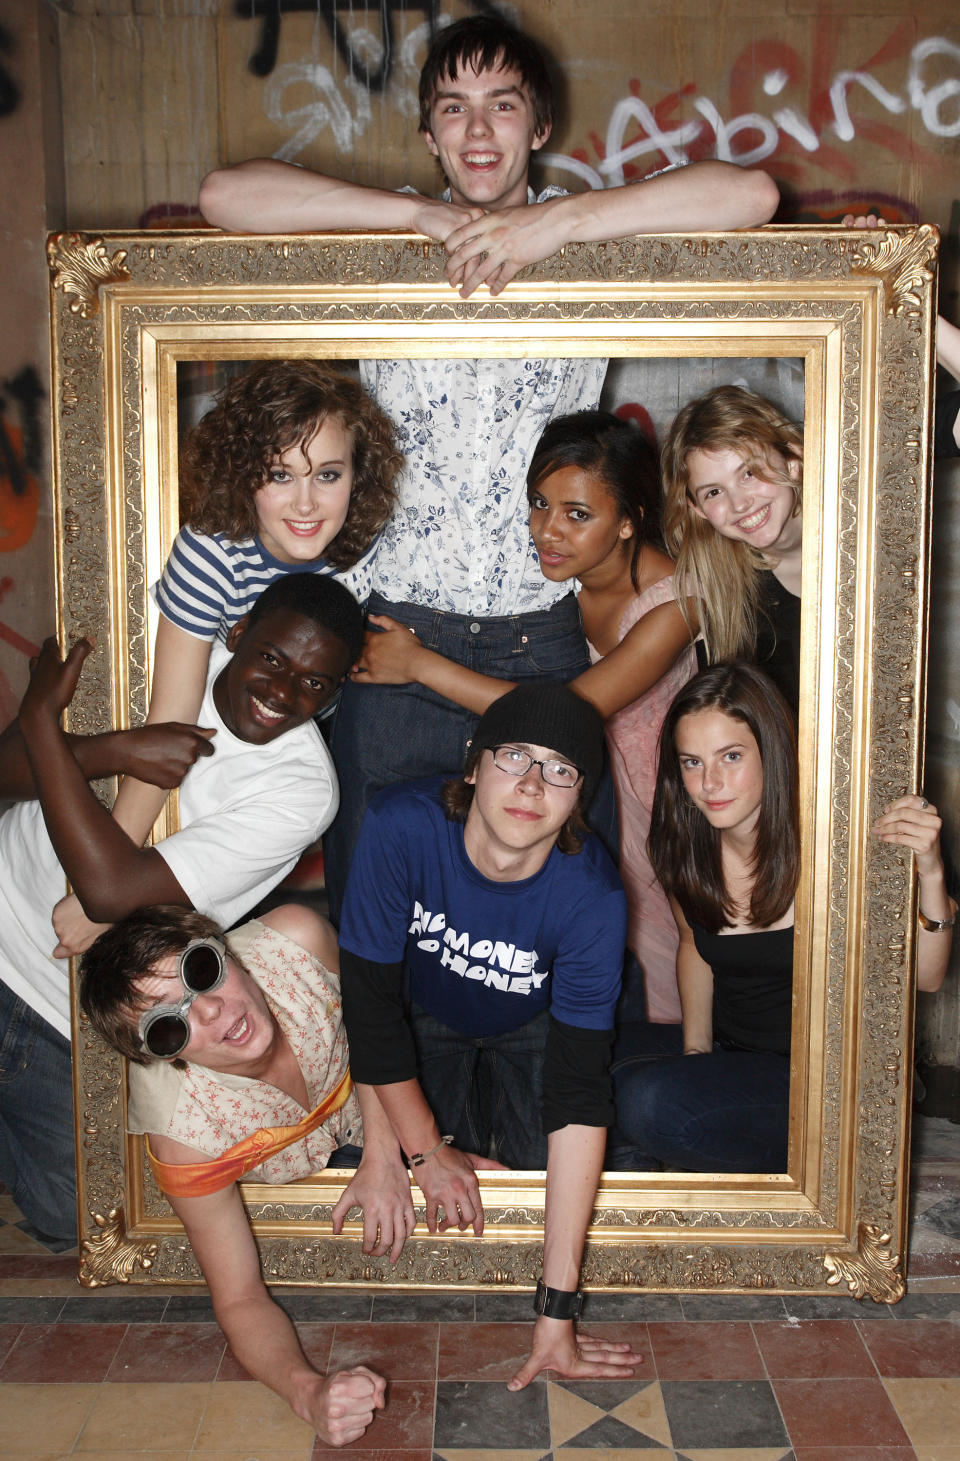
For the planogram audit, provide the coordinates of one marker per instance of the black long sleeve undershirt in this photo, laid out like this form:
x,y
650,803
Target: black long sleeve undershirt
x,y
577,1088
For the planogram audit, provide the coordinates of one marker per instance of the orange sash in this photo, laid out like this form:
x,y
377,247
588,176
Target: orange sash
x,y
199,1179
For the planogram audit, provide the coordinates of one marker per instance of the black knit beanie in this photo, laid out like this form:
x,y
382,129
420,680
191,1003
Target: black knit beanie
x,y
543,714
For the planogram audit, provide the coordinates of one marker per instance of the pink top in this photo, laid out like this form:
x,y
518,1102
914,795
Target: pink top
x,y
632,736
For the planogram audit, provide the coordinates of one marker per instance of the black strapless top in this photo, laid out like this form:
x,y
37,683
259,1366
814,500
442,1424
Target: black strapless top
x,y
752,987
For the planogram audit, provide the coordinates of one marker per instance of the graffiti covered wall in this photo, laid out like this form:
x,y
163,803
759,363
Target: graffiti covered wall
x,y
850,107
27,41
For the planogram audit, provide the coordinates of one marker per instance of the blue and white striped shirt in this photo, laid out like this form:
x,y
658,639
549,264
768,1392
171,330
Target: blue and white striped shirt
x,y
210,581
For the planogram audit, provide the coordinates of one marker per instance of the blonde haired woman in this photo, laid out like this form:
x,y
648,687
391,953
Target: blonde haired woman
x,y
733,478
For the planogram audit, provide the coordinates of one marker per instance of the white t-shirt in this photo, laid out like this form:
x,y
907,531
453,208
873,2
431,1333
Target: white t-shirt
x,y
246,812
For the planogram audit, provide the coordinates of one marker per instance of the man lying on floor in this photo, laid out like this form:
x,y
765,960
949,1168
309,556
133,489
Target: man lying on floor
x,y
239,1068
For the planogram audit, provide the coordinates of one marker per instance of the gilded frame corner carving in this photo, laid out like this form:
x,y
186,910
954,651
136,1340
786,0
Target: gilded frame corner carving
x,y
857,311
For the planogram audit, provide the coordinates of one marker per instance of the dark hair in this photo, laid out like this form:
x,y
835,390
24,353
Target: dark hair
x,y
619,454
273,406
684,848
457,794
486,44
319,597
125,953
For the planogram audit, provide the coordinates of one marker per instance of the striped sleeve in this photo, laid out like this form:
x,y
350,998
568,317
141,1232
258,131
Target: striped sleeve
x,y
209,583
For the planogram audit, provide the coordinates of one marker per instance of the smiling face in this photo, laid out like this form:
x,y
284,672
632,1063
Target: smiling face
x,y
482,130
576,525
284,669
740,504
722,769
303,503
514,821
231,1030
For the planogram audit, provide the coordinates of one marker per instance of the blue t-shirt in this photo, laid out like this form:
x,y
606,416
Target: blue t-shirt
x,y
483,957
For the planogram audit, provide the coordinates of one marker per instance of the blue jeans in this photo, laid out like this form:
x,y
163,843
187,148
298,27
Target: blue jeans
x,y
389,733
486,1088
726,1111
37,1152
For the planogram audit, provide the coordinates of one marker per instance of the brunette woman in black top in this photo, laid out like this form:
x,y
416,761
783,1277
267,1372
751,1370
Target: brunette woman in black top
x,y
724,844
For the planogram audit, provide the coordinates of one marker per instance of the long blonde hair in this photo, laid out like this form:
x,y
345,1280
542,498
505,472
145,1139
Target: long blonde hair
x,y
719,573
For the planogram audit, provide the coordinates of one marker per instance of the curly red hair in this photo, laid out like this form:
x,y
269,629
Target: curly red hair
x,y
273,406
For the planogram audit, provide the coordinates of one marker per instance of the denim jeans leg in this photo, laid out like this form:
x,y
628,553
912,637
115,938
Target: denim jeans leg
x,y
514,1068
726,1111
447,1069
37,1149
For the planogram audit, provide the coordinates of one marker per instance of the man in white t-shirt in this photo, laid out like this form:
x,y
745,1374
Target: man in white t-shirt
x,y
456,563
261,790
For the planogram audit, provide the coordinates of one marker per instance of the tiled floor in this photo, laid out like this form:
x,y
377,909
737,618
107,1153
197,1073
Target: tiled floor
x,y
145,1372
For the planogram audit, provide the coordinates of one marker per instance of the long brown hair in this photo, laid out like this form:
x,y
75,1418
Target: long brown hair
x,y
273,406
684,848
719,573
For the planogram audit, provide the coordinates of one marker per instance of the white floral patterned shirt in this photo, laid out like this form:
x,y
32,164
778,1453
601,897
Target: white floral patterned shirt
x,y
210,1111
459,538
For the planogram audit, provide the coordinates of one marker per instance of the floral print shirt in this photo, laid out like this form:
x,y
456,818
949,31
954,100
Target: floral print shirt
x,y
459,539
210,1111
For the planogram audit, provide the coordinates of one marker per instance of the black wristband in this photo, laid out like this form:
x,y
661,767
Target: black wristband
x,y
557,1303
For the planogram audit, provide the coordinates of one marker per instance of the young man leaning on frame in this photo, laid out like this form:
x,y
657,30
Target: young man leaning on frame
x,y
481,949
456,563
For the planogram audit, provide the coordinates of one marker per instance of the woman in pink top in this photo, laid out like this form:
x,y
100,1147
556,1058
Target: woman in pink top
x,y
594,491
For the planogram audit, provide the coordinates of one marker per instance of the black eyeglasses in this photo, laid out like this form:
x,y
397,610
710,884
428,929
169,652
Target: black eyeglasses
x,y
165,1030
517,763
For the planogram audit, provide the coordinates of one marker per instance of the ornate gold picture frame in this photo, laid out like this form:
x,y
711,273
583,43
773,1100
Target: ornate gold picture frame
x,y
852,312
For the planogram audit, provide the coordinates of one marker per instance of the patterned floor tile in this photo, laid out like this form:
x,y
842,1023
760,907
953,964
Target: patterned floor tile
x,y
726,1307
37,1418
411,1308
478,1415
855,1453
167,1352
577,1407
447,1455
402,1351
246,1418
915,1349
838,1413
723,1413
608,1434
706,1351
606,1453
482,1351
62,1353
928,1409
753,1453
143,1417
815,1348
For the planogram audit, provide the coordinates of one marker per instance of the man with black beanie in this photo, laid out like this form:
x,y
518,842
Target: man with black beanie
x,y
481,947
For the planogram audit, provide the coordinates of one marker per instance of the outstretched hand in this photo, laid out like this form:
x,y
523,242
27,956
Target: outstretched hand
x,y
346,1403
557,1346
53,680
